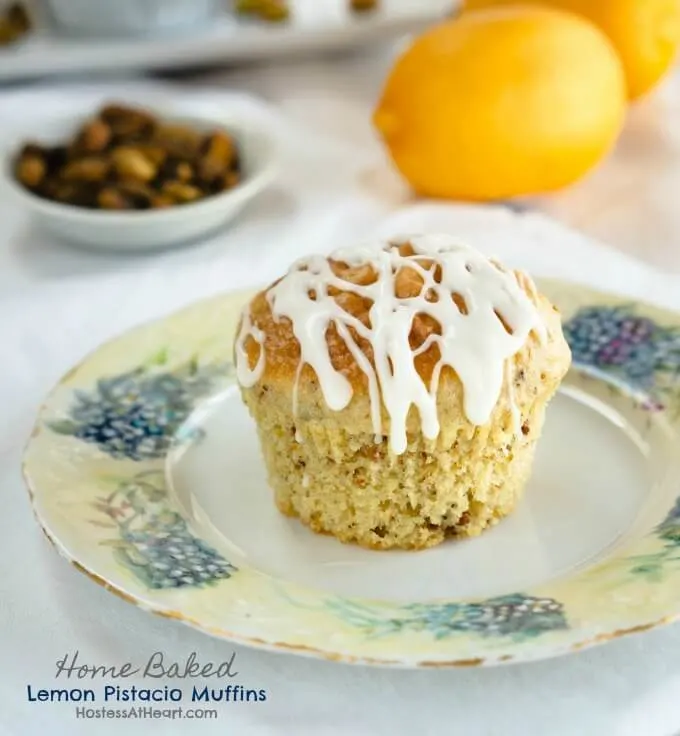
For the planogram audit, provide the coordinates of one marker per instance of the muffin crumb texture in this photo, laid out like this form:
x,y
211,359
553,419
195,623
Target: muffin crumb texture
x,y
345,484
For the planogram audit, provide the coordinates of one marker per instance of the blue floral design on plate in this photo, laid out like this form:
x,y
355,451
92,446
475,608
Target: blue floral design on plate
x,y
516,615
629,347
645,356
652,565
669,529
137,414
153,540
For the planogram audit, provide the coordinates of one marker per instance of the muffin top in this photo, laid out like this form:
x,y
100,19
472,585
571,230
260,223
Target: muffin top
x,y
393,320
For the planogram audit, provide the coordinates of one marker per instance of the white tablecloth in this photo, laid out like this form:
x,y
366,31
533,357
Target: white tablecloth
x,y
57,303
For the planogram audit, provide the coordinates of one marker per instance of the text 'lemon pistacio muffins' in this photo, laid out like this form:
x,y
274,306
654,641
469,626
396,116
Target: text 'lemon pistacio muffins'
x,y
399,389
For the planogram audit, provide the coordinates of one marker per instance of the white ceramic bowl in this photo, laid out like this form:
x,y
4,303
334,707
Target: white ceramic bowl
x,y
150,229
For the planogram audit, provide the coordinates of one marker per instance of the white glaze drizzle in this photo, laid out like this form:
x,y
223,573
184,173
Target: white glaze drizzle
x,y
527,284
244,374
475,345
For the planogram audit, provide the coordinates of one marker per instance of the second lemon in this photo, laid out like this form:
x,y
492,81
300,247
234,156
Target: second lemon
x,y
646,33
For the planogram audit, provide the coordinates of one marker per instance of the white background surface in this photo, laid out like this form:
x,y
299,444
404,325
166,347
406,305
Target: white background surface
x,y
56,303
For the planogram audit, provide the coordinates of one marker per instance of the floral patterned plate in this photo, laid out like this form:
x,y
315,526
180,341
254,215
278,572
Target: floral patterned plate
x,y
144,472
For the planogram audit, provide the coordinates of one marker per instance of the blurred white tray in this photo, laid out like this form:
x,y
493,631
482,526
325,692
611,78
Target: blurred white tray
x,y
315,25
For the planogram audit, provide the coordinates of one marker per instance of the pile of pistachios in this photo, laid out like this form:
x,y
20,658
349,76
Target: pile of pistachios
x,y
271,10
14,23
279,10
126,158
363,6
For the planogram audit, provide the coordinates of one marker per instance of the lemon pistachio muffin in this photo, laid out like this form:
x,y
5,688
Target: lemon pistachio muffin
x,y
399,389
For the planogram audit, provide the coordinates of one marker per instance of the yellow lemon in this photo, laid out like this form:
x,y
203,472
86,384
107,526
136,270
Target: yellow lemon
x,y
500,103
646,33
